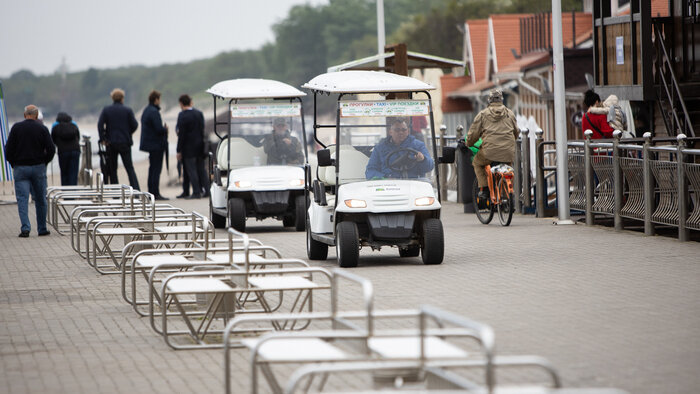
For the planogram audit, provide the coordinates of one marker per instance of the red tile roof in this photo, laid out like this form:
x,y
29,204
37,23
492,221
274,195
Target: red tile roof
x,y
448,84
478,33
506,34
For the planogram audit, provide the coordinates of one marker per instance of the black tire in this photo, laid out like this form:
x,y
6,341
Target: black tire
x,y
433,247
347,244
236,214
505,206
314,249
300,213
288,221
409,251
484,214
217,220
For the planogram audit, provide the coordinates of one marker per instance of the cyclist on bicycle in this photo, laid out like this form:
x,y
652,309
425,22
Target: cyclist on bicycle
x,y
497,128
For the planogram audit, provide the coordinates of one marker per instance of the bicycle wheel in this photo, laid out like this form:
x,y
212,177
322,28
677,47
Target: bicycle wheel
x,y
505,205
484,214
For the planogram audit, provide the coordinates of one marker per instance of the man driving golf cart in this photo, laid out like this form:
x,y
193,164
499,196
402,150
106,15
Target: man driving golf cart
x,y
400,155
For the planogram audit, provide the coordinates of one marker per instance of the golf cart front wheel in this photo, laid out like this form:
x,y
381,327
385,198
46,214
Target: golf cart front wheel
x,y
347,244
314,249
433,247
236,214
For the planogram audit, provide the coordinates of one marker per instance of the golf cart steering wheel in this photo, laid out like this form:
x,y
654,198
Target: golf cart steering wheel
x,y
402,159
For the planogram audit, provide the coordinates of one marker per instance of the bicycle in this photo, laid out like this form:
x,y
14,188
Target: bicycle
x,y
501,196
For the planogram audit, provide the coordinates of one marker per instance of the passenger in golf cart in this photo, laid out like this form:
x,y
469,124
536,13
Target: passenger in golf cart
x,y
400,155
281,146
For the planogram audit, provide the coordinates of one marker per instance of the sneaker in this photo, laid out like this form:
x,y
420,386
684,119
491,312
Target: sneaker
x,y
24,234
47,232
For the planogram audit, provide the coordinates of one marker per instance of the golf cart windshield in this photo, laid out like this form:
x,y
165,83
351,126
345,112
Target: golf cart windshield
x,y
263,133
385,139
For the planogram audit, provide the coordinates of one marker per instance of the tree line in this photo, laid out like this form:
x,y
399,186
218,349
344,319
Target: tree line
x,y
307,42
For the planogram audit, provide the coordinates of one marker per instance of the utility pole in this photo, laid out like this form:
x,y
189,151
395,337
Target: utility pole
x,y
381,36
560,117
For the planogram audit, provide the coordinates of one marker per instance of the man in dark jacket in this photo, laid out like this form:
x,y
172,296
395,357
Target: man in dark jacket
x,y
281,147
154,140
116,125
28,150
66,136
190,146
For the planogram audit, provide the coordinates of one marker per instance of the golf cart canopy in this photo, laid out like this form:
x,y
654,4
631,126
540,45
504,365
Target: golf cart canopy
x,y
247,88
365,82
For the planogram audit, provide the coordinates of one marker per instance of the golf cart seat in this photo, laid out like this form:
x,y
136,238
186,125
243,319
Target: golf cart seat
x,y
242,154
352,173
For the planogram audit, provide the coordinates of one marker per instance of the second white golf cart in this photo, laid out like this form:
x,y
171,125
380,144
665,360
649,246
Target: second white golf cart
x,y
399,209
258,172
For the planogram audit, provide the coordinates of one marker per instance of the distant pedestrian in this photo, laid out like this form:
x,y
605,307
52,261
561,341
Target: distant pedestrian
x,y
29,149
190,146
66,136
116,125
154,140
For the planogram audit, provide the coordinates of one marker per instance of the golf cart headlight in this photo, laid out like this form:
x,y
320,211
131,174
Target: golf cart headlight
x,y
296,182
243,184
423,201
356,203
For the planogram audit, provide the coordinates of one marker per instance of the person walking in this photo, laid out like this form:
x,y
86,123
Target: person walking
x,y
29,149
115,126
154,140
66,135
190,146
498,130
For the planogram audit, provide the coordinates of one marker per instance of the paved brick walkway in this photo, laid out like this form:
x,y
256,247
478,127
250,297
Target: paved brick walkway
x,y
606,308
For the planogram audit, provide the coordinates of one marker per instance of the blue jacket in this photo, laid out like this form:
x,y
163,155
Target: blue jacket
x,y
378,168
154,137
116,124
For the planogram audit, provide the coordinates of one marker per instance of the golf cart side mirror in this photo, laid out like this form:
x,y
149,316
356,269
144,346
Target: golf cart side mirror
x,y
324,158
448,155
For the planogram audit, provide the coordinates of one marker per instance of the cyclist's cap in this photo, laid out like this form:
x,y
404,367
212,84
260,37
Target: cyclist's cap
x,y
279,122
496,95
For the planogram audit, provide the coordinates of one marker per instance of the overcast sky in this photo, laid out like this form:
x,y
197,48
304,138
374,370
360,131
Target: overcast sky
x,y
37,34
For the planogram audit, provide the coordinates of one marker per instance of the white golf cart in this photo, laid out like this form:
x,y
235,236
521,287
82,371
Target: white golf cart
x,y
347,209
247,182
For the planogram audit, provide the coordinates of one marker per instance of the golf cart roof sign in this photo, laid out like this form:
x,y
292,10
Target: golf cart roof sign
x,y
349,109
265,110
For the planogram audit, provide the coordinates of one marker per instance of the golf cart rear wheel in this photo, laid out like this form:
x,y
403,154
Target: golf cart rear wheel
x,y
409,251
483,209
217,220
433,247
236,214
347,244
300,213
314,249
288,221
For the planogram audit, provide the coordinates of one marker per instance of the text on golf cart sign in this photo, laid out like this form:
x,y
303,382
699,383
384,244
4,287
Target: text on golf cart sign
x,y
265,110
384,108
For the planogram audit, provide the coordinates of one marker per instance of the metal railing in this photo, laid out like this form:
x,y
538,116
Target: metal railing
x,y
657,185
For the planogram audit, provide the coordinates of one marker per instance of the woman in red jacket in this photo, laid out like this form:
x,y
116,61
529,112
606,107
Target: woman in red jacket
x,y
597,123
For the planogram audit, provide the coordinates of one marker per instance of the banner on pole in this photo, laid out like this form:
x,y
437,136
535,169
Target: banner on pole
x,y
5,169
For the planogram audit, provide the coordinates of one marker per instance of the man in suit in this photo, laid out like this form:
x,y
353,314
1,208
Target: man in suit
x,y
29,149
190,146
154,140
116,125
